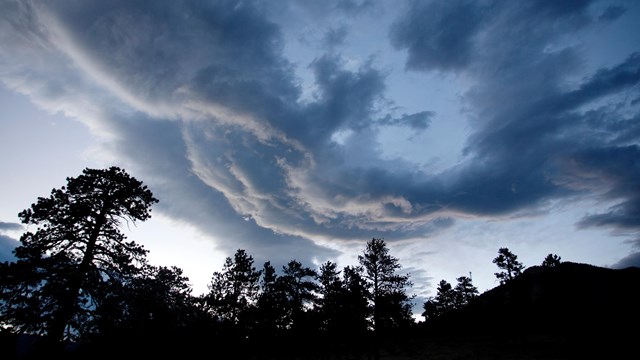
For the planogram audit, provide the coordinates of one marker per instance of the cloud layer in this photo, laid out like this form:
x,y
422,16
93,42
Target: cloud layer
x,y
201,100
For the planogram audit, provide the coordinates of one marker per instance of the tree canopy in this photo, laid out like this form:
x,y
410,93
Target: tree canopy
x,y
77,277
75,250
551,260
509,264
390,303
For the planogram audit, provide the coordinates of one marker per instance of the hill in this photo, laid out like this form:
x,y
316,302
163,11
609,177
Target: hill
x,y
572,311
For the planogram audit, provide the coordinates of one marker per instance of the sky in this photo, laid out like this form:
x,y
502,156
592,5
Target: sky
x,y
303,129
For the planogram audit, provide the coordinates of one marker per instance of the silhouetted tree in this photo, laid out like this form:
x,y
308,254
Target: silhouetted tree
x,y
157,300
446,299
355,310
391,306
431,309
551,260
446,296
272,307
297,283
75,251
508,262
151,315
272,312
330,301
464,291
234,290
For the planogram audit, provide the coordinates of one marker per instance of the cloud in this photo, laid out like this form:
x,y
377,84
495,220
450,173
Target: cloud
x,y
345,99
8,243
335,37
354,6
455,35
438,35
199,99
631,260
619,169
418,121
612,13
5,226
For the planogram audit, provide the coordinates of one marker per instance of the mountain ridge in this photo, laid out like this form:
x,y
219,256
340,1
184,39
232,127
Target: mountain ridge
x,y
570,311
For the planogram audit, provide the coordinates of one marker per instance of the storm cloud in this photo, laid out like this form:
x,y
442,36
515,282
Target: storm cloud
x,y
200,99
8,243
539,133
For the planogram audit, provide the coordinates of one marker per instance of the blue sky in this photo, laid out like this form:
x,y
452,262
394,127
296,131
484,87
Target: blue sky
x,y
302,129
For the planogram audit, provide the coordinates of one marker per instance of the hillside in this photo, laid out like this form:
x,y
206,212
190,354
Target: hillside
x,y
571,311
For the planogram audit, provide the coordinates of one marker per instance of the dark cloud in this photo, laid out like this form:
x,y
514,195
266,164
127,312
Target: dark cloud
x,y
7,244
199,99
418,121
628,261
618,170
5,226
344,100
555,9
454,35
158,50
335,37
604,82
623,215
188,194
439,34
354,6
612,13
527,124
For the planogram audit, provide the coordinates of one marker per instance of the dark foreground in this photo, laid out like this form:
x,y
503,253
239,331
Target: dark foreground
x,y
573,311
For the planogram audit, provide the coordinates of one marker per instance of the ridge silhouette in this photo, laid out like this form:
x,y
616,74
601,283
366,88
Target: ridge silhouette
x,y
570,311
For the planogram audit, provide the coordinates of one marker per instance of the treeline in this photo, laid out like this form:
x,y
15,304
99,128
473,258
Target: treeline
x,y
449,298
78,282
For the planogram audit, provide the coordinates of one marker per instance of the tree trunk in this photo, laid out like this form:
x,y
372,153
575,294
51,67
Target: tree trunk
x,y
68,303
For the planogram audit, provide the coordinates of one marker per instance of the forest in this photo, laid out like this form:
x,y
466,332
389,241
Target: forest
x,y
79,288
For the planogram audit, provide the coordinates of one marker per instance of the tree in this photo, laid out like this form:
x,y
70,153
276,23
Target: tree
x,y
446,297
272,313
298,286
272,306
552,260
446,300
355,309
151,315
234,290
391,306
449,298
508,262
157,300
464,291
330,302
431,308
76,248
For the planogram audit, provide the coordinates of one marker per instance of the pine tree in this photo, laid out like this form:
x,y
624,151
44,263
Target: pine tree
x,y
551,260
508,262
76,250
390,304
297,283
233,292
464,291
331,297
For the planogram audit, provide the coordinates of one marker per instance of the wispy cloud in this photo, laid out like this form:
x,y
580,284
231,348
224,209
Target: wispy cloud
x,y
200,99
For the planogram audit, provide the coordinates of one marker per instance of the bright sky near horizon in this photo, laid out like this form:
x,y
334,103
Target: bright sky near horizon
x,y
302,129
